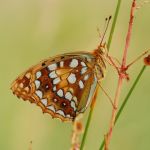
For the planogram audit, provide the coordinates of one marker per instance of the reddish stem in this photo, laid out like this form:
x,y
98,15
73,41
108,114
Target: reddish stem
x,y
114,112
128,37
122,76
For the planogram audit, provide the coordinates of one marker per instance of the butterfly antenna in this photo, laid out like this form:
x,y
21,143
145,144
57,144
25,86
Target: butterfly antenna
x,y
107,20
98,30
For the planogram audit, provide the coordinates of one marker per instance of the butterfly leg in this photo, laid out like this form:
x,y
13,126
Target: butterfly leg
x,y
114,62
109,98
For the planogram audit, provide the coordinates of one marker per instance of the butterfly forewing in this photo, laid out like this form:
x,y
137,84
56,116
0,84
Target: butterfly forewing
x,y
61,86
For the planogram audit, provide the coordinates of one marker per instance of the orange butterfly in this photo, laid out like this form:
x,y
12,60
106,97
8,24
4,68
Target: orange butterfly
x,y
63,86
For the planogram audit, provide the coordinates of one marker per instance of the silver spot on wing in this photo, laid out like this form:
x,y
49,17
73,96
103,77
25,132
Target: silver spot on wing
x,y
39,93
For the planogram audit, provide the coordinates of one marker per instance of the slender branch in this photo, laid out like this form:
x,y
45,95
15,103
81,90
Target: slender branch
x,y
130,64
86,129
122,76
114,112
128,37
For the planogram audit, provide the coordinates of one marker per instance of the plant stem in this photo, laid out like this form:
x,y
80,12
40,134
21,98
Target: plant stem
x,y
108,46
113,24
86,129
128,37
114,112
89,118
126,99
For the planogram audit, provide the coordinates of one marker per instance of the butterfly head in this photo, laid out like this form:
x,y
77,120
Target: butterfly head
x,y
102,49
101,52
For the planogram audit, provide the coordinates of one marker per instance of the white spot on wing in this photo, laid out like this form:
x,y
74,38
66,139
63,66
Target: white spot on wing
x,y
60,112
44,102
72,78
68,96
73,105
89,59
47,86
56,81
81,85
38,74
54,88
86,77
68,116
53,74
83,70
52,67
74,63
55,100
37,84
75,99
28,75
60,93
83,64
51,107
61,64
39,93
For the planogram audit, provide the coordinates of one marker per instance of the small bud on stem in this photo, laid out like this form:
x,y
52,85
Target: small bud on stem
x,y
147,60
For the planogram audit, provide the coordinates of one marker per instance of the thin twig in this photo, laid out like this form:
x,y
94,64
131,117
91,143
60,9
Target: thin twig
x,y
135,60
122,76
114,112
128,37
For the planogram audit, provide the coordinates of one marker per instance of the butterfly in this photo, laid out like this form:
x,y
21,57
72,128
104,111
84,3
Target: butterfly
x,y
63,86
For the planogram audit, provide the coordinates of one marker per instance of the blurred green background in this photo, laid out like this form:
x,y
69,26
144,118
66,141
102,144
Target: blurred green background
x,y
31,30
